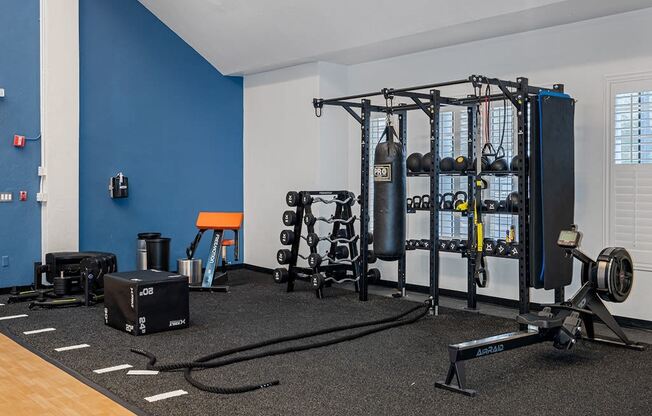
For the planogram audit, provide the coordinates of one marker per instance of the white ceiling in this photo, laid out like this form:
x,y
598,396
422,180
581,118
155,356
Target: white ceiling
x,y
247,36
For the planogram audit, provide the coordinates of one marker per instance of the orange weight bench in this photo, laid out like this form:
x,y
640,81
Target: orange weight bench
x,y
219,222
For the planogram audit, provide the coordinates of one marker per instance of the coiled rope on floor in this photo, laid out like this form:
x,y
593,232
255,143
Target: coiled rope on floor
x,y
207,361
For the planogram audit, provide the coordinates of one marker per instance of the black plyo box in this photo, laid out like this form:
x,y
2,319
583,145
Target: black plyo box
x,y
147,301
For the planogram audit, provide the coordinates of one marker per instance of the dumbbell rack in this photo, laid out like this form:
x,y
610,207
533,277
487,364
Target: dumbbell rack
x,y
520,94
343,212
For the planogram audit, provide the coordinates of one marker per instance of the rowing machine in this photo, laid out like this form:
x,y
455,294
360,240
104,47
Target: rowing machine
x,y
609,278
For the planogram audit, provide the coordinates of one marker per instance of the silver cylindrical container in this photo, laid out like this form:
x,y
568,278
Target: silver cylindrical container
x,y
190,268
141,251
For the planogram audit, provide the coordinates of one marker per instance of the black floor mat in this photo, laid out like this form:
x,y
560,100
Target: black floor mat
x,y
390,373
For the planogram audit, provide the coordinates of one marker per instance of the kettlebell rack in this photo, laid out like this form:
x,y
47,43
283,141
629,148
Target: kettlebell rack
x,y
341,263
520,94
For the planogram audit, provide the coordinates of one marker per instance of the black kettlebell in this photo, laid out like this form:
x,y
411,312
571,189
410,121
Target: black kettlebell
x,y
409,203
447,164
416,202
414,162
446,201
459,198
512,201
461,163
426,162
425,201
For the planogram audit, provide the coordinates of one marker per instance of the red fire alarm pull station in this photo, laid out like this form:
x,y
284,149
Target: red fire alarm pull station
x,y
19,141
23,195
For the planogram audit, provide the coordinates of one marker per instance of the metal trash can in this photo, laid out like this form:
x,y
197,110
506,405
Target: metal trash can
x,y
192,269
141,253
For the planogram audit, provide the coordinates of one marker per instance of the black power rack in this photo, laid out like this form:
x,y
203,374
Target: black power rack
x,y
341,262
519,93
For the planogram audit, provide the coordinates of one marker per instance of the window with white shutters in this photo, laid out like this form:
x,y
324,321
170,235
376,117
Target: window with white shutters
x,y
448,221
630,205
501,125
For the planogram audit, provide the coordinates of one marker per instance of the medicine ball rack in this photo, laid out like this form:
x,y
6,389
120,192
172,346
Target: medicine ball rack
x,y
335,267
519,93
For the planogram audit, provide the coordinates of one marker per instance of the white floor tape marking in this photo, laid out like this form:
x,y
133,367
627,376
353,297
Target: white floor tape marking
x,y
114,368
2,318
167,395
142,372
38,331
72,347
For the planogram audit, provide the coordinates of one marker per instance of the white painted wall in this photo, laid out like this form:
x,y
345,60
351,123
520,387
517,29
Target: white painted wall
x,y
278,114
60,124
287,148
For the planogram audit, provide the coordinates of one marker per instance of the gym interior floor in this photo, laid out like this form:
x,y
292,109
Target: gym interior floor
x,y
389,373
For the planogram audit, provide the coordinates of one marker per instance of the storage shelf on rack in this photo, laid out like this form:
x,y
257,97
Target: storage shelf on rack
x,y
460,253
454,173
464,213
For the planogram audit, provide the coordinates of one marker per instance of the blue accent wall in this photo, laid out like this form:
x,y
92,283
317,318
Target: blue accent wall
x,y
155,110
20,222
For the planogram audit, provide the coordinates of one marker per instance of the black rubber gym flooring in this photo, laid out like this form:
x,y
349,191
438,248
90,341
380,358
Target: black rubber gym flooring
x,y
389,373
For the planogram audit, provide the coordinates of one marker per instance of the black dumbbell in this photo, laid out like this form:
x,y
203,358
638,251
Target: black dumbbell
x,y
309,219
370,238
489,246
371,257
514,250
283,256
454,244
425,244
443,245
410,244
280,275
317,281
373,275
501,248
289,218
491,205
342,233
312,239
287,237
292,198
341,252
314,260
306,198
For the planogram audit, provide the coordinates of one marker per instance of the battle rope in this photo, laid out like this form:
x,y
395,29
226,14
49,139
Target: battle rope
x,y
204,362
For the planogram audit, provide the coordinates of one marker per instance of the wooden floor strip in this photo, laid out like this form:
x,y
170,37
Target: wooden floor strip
x,y
32,386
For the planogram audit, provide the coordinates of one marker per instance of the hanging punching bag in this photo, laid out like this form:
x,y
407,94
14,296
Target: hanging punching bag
x,y
390,209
